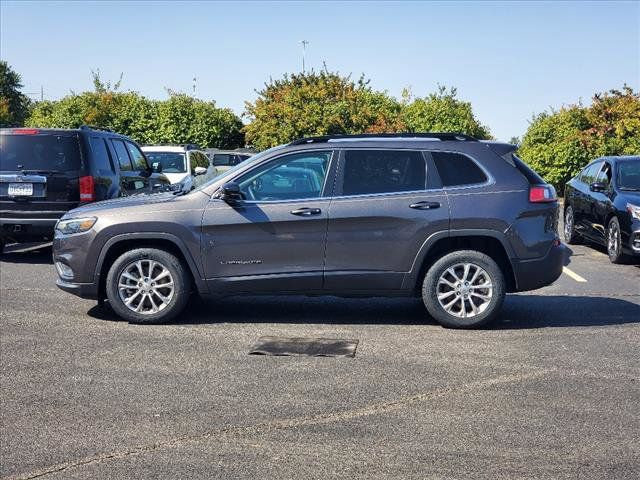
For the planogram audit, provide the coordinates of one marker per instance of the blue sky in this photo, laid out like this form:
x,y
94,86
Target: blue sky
x,y
510,59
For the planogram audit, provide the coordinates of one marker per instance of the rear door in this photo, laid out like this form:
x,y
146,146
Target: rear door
x,y
39,172
133,178
386,204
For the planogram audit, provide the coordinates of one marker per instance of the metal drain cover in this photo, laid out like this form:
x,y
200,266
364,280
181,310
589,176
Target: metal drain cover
x,y
301,346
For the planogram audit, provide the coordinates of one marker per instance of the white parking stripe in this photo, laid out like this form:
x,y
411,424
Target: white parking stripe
x,y
574,275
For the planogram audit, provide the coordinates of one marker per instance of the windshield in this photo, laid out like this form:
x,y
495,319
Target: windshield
x,y
629,175
172,162
54,153
240,165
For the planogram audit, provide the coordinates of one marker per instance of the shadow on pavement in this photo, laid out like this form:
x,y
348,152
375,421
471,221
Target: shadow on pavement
x,y
38,255
519,311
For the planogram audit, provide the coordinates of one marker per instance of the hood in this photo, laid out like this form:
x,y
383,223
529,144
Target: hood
x,y
122,203
176,177
630,197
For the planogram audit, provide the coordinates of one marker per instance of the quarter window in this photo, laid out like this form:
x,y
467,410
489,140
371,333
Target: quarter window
x,y
101,157
297,176
456,169
122,155
383,171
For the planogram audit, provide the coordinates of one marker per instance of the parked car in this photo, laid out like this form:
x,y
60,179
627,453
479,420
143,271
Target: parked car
x,y
602,205
46,172
454,220
185,166
223,160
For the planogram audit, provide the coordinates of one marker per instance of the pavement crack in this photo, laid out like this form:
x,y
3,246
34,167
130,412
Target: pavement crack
x,y
317,419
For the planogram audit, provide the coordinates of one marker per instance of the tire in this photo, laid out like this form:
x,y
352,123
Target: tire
x,y
487,310
166,269
571,237
614,242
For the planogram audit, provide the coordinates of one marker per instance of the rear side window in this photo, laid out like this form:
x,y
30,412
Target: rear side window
x,y
100,156
383,171
139,162
57,153
222,159
456,169
123,156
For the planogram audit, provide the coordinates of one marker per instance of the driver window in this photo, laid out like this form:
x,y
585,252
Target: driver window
x,y
292,177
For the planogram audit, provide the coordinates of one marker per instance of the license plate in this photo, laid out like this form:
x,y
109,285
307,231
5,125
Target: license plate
x,y
20,189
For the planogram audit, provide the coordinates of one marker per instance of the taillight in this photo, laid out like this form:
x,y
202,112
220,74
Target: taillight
x,y
542,194
25,131
87,189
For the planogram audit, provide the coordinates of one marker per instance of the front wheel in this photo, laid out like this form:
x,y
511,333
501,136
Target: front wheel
x,y
464,289
148,285
614,242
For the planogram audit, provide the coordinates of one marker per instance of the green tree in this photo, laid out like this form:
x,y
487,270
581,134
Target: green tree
x,y
318,103
180,119
559,143
14,105
442,111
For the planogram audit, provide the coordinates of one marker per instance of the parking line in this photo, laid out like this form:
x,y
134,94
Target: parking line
x,y
573,275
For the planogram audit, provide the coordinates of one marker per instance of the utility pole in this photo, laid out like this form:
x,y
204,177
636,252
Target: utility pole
x,y
42,93
194,86
304,53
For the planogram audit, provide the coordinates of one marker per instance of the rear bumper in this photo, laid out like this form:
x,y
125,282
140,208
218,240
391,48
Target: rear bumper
x,y
539,272
26,229
82,290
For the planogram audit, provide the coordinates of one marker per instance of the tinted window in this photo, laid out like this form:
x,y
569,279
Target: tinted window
x,y
604,176
101,161
456,169
139,162
589,173
122,155
39,152
292,177
383,171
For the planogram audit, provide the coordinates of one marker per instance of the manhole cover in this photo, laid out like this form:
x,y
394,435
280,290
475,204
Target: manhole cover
x,y
309,347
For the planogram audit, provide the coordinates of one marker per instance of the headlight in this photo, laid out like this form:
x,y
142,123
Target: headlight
x,y
634,210
75,225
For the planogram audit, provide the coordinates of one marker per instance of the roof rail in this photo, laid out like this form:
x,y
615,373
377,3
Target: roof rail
x,y
186,146
461,137
93,127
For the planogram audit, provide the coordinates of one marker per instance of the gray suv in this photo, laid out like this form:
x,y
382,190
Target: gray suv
x,y
449,218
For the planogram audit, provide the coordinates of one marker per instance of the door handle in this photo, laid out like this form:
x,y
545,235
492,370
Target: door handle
x,y
306,212
425,205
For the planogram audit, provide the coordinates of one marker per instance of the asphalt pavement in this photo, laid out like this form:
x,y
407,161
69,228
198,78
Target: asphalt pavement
x,y
551,390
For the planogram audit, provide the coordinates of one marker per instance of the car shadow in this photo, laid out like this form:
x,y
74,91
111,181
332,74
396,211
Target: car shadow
x,y
519,311
19,253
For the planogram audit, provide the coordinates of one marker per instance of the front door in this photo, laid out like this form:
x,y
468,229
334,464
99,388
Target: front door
x,y
385,207
274,239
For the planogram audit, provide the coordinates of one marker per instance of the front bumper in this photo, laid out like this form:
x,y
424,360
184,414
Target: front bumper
x,y
539,272
82,290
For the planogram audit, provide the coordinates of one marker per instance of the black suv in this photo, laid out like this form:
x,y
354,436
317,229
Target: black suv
x,y
46,172
454,220
602,204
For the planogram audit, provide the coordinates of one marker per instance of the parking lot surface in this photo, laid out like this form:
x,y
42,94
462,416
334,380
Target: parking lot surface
x,y
551,390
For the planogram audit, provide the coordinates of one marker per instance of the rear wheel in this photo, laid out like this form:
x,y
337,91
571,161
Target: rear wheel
x,y
614,241
464,289
148,285
570,235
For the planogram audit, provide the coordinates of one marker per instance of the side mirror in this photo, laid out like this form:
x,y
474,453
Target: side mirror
x,y
156,167
230,193
597,187
199,171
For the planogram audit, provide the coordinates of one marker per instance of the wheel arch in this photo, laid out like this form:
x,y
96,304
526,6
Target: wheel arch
x,y
119,244
489,242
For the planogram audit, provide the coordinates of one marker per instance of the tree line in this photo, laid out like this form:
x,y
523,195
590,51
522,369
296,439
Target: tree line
x,y
558,143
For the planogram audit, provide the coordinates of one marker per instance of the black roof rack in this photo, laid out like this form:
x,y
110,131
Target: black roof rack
x,y
461,137
93,127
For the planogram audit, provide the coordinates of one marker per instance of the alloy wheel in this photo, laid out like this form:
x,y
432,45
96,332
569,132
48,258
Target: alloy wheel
x,y
464,290
145,286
